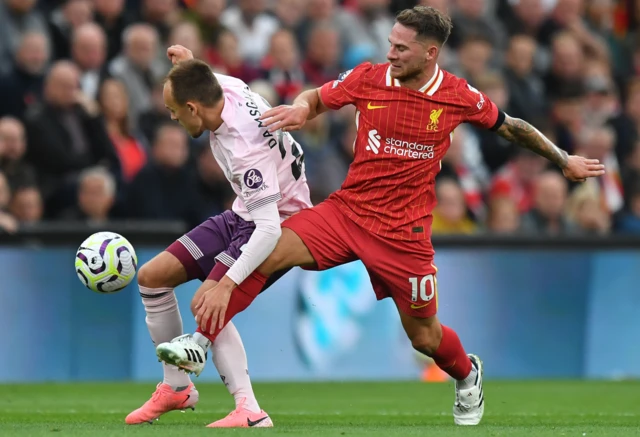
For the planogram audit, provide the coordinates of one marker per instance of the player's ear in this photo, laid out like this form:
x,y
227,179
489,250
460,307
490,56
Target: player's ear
x,y
432,53
192,108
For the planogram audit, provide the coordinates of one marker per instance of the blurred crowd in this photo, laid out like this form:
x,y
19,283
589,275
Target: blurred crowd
x,y
84,134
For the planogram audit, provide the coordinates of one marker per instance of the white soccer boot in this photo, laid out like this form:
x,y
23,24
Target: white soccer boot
x,y
184,353
469,406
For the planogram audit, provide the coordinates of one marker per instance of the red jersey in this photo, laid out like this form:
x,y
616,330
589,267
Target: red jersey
x,y
403,135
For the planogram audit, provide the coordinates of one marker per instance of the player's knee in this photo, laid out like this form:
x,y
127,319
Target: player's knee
x,y
427,339
161,272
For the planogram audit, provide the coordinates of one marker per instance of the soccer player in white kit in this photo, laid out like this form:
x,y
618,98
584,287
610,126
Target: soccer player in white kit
x,y
266,172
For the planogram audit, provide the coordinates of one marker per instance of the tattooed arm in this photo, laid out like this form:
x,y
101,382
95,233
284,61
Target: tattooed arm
x,y
575,168
523,134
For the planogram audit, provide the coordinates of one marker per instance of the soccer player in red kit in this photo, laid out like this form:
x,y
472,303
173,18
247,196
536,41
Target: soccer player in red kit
x,y
406,111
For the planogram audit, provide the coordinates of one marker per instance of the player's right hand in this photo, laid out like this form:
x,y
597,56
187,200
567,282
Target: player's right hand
x,y
178,53
285,117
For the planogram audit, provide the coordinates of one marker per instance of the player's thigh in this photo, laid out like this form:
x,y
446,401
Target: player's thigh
x,y
315,238
164,270
197,249
404,271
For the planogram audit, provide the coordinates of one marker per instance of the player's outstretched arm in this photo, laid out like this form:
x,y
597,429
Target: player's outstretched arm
x,y
292,117
575,168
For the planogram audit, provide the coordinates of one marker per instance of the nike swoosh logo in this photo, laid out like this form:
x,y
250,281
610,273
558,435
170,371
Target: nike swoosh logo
x,y
417,307
370,106
250,423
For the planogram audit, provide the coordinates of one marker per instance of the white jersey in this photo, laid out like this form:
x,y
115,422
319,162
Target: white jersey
x,y
262,167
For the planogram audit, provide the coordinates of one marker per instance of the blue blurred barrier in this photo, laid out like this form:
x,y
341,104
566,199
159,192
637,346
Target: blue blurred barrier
x,y
538,313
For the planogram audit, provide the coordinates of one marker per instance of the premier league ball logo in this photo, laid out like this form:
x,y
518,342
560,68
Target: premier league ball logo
x,y
253,179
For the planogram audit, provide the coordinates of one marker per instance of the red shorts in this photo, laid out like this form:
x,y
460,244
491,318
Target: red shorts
x,y
402,270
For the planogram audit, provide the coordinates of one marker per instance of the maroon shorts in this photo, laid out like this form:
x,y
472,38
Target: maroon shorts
x,y
211,248
402,270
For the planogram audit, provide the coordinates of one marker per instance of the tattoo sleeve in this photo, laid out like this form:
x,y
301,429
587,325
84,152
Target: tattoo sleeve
x,y
522,133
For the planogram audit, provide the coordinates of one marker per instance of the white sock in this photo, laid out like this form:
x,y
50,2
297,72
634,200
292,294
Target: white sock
x,y
165,324
230,359
469,381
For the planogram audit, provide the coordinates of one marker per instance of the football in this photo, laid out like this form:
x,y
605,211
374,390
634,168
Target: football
x,y
106,262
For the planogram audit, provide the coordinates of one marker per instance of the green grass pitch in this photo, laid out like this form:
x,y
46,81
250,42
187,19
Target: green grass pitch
x,y
513,409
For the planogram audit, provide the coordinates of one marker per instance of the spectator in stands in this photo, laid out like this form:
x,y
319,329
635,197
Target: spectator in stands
x,y
114,104
64,21
450,215
463,163
138,67
598,143
114,19
473,58
167,188
26,205
526,16
567,112
89,52
586,211
253,27
324,12
547,214
567,64
8,223
516,179
18,172
17,17
154,117
96,196
567,16
601,100
282,66
206,16
368,24
227,59
503,216
266,90
470,18
65,135
526,91
22,85
629,221
321,64
187,34
161,14
631,169
626,123
291,14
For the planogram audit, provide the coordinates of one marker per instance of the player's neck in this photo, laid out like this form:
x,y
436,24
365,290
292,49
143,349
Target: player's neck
x,y
213,116
421,80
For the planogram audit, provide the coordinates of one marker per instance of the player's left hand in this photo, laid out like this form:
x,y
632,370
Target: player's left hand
x,y
578,168
213,307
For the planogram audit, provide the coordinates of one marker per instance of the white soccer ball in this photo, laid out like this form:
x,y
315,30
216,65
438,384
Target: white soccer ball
x,y
106,262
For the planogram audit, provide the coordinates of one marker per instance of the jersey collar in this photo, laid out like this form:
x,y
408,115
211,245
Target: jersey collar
x,y
429,88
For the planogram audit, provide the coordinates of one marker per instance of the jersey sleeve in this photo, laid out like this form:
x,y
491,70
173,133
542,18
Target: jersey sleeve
x,y
257,176
342,91
479,109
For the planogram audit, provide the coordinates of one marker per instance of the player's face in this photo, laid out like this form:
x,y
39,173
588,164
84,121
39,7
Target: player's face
x,y
408,56
187,115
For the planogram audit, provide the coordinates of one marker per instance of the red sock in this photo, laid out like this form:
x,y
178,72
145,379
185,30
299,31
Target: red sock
x,y
241,298
451,356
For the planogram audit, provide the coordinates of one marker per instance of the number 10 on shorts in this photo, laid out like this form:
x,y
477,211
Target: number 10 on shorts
x,y
426,286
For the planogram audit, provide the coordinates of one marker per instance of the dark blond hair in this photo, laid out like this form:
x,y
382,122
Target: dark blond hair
x,y
428,22
193,81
